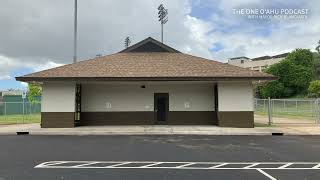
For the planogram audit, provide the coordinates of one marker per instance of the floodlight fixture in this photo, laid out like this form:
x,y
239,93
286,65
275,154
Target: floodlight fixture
x,y
163,17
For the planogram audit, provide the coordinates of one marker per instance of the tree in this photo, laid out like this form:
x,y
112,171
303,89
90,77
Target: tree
x,y
33,90
272,89
314,88
303,57
316,57
295,73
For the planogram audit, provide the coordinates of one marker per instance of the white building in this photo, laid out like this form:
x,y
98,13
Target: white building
x,y
257,64
147,83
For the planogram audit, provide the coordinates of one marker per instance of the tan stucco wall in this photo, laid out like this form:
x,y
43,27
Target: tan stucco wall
x,y
131,97
235,96
58,97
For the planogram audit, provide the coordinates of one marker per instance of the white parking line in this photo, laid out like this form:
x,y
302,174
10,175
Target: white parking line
x,y
85,164
120,164
316,166
252,165
217,166
259,166
51,163
180,165
185,165
153,164
286,165
266,174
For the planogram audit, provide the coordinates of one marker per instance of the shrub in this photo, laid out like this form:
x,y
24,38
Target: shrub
x,y
314,89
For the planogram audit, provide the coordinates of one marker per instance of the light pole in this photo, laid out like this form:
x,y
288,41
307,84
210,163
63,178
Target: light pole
x,y
75,31
127,42
163,18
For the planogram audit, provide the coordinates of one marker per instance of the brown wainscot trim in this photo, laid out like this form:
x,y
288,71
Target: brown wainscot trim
x,y
116,118
57,119
241,119
192,118
147,118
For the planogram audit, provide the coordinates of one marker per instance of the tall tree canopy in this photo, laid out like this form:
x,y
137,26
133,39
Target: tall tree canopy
x,y
295,73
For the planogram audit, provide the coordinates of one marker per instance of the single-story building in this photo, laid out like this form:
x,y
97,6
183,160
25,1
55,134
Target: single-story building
x,y
148,83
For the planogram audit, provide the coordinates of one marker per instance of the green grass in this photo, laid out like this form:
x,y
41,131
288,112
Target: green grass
x,y
289,115
19,119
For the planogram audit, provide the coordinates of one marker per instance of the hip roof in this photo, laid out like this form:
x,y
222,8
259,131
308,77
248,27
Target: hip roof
x,y
129,64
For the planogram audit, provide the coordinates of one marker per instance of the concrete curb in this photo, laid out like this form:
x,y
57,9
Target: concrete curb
x,y
86,133
34,129
135,133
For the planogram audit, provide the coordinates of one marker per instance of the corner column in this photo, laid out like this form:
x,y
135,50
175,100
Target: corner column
x,y
235,104
58,105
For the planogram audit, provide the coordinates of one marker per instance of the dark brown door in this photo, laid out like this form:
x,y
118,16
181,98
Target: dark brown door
x,y
161,107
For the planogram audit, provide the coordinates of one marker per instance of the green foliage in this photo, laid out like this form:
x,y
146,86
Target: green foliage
x,y
314,89
303,57
273,89
295,73
33,90
316,59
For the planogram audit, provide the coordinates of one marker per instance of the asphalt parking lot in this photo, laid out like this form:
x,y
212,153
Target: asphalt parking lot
x,y
159,157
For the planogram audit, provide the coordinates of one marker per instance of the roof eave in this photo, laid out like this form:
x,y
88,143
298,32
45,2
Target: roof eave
x,y
43,79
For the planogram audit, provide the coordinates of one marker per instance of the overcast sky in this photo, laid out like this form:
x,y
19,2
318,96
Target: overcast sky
x,y
38,34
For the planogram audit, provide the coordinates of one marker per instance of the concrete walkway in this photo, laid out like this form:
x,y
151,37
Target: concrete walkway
x,y
34,129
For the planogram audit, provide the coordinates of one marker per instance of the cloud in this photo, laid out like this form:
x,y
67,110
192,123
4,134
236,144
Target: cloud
x,y
49,64
24,84
241,36
39,35
199,41
4,76
6,64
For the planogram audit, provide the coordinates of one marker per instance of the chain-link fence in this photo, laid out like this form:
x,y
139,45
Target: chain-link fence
x,y
282,111
20,112
287,111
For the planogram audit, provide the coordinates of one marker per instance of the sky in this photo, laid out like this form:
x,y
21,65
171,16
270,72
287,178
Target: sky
x,y
38,34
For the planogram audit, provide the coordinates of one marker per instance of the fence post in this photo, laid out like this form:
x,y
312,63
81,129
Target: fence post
x,y
23,111
317,111
5,111
269,112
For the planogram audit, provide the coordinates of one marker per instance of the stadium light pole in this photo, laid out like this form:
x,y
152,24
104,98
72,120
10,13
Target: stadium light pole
x,y
75,31
163,18
127,42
